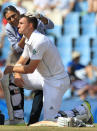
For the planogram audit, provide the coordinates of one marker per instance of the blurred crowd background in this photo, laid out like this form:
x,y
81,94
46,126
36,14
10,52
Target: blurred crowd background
x,y
75,36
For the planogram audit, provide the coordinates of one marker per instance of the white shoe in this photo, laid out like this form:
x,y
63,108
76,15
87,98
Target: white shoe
x,y
70,122
62,121
14,122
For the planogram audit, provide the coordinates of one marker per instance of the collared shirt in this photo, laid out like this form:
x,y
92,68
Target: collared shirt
x,y
39,47
14,37
42,28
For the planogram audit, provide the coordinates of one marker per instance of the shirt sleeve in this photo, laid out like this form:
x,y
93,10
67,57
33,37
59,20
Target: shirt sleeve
x,y
38,51
42,26
50,25
13,41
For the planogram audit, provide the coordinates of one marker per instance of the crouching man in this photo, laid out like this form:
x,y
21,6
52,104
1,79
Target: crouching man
x,y
45,58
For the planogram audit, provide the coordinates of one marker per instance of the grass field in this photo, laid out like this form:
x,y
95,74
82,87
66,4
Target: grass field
x,y
26,128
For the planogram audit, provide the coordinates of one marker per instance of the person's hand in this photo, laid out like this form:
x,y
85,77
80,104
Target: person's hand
x,y
38,15
41,17
18,80
8,69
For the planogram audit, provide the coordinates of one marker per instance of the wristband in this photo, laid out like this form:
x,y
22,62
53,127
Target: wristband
x,y
18,64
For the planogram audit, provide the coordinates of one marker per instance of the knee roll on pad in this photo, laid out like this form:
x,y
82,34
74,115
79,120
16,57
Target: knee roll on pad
x,y
16,97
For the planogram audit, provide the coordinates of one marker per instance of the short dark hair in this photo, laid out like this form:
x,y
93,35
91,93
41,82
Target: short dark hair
x,y
9,8
31,19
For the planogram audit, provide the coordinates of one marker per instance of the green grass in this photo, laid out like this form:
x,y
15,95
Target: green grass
x,y
27,128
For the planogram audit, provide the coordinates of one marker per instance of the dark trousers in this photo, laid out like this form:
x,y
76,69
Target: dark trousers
x,y
36,107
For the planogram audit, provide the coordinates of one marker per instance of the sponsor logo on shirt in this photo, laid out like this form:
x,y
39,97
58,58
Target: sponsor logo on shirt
x,y
34,51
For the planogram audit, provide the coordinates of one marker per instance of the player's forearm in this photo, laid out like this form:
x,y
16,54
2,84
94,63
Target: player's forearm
x,y
22,43
23,69
17,69
21,61
17,75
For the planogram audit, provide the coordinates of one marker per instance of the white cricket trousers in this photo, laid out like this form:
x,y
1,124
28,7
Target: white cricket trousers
x,y
53,91
33,81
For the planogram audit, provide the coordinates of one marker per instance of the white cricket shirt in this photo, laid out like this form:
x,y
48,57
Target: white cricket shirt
x,y
39,47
